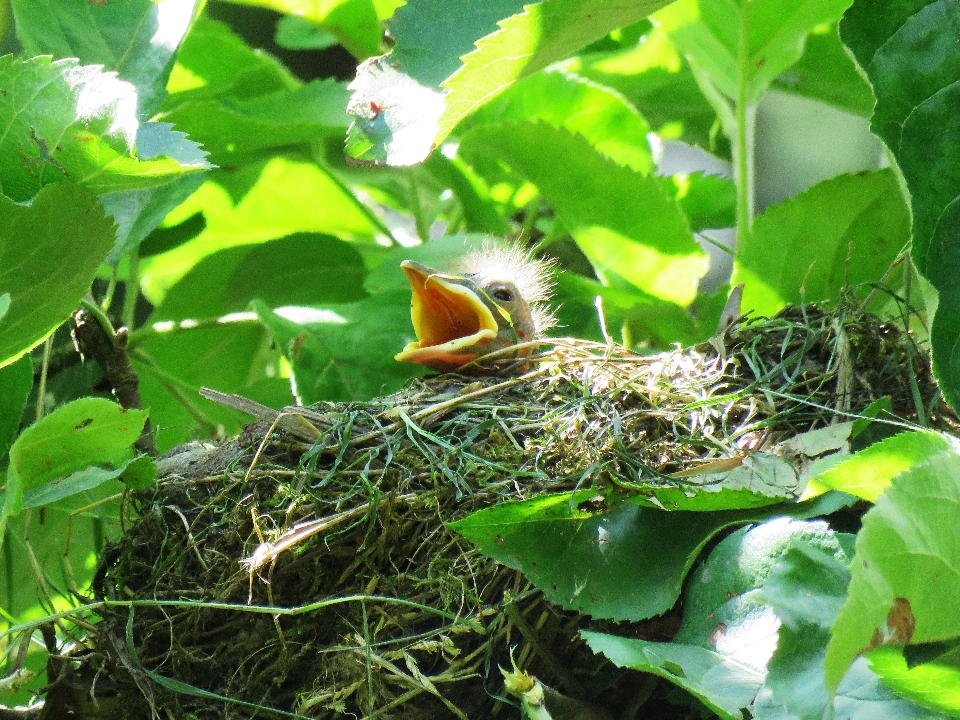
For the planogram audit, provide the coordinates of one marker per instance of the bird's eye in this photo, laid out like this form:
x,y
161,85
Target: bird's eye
x,y
503,295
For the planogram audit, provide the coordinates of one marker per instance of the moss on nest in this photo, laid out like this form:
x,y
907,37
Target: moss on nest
x,y
386,611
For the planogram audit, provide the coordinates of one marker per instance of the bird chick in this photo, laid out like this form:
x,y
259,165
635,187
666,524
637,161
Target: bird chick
x,y
495,301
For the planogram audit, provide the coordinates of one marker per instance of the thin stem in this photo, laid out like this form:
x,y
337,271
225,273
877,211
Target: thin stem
x,y
142,334
131,289
44,368
745,112
111,288
101,316
179,390
423,227
360,205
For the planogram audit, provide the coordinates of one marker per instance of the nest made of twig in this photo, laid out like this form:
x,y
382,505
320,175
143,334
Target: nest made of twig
x,y
384,611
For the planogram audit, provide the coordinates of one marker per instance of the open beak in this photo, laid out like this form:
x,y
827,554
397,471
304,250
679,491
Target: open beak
x,y
450,319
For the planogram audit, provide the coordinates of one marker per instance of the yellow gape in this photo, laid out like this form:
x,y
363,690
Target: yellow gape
x,y
494,304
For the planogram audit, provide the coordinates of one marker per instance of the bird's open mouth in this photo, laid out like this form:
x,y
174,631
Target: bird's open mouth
x,y
449,318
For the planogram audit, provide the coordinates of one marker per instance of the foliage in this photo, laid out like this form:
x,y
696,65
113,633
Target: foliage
x,y
159,169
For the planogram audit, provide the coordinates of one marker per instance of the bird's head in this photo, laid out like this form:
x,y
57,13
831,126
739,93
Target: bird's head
x,y
496,300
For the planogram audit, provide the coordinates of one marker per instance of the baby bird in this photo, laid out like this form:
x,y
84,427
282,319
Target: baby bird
x,y
498,300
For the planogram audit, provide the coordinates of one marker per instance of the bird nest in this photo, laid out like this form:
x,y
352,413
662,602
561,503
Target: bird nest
x,y
322,578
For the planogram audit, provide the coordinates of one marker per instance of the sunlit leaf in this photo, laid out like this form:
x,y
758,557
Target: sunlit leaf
x,y
215,62
62,120
905,583
805,589
826,72
138,212
723,608
408,102
869,472
747,43
259,202
563,100
843,231
861,696
136,38
301,269
658,81
84,432
934,684
624,222
233,357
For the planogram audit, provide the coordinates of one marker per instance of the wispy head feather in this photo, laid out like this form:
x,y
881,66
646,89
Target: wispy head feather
x,y
532,276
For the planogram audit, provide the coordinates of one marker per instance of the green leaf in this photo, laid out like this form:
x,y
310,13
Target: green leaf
x,y
826,72
909,52
230,129
16,382
233,357
82,433
806,590
722,685
62,120
140,471
868,472
354,23
723,609
138,212
49,254
171,233
215,62
645,317
137,38
480,211
861,696
750,43
708,201
808,585
296,33
612,126
905,583
720,654
754,481
656,80
400,109
83,518
259,202
630,230
934,685
843,231
443,253
301,269
624,564
345,352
